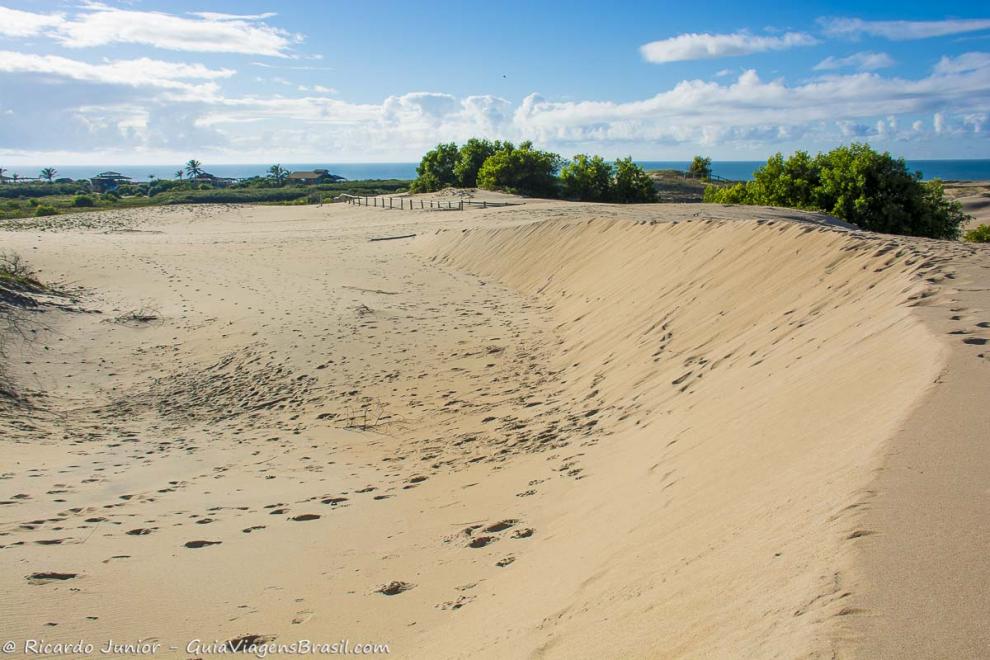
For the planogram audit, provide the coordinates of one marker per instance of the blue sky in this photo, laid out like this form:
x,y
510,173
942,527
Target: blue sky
x,y
333,81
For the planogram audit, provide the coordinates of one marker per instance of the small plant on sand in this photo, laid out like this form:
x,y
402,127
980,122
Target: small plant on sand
x,y
14,271
979,235
701,167
44,210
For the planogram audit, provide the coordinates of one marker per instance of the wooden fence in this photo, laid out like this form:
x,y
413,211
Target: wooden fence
x,y
407,203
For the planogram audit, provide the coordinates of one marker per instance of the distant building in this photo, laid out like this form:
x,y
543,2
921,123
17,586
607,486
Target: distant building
x,y
313,176
107,181
215,181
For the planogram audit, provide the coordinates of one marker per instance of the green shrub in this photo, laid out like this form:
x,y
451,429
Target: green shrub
x,y
979,235
736,194
436,169
857,184
631,184
587,179
45,210
83,200
524,170
701,167
472,156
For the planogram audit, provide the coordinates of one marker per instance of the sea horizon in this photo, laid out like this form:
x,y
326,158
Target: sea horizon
x,y
740,170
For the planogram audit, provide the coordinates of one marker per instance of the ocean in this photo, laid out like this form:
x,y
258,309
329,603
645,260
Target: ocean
x,y
738,170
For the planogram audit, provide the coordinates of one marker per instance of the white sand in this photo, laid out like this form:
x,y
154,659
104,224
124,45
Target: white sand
x,y
690,419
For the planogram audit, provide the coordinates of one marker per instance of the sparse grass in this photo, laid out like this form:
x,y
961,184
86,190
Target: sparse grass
x,y
15,273
36,201
142,316
17,282
979,235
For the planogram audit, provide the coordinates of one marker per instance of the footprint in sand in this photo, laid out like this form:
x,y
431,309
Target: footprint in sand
x,y
48,577
394,588
305,517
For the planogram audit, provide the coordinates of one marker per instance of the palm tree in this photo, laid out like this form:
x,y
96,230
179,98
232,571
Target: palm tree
x,y
2,170
178,174
278,174
48,174
194,168
15,177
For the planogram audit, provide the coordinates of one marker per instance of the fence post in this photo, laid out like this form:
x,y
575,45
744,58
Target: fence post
x,y
484,204
390,202
460,205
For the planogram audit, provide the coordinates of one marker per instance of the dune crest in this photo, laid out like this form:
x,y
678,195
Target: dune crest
x,y
749,373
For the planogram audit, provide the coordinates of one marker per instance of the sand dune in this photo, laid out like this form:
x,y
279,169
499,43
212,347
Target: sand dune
x,y
552,430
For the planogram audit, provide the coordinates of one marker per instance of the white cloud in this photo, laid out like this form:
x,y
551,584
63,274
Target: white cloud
x,y
901,30
14,23
963,63
938,121
706,46
100,25
142,72
864,61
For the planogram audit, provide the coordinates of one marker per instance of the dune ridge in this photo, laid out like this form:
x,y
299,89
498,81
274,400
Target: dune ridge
x,y
751,372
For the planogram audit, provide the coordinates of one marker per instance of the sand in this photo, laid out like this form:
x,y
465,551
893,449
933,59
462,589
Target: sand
x,y
546,430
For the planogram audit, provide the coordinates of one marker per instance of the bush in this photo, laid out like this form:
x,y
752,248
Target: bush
x,y
701,167
43,210
436,169
979,235
631,184
523,170
83,200
587,179
857,184
472,156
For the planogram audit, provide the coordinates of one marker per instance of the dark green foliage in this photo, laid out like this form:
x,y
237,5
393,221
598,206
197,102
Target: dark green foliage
x,y
83,200
870,189
472,156
436,170
44,210
979,235
701,167
587,179
523,170
631,184
28,190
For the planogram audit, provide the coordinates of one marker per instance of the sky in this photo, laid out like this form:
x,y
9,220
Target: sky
x,y
147,82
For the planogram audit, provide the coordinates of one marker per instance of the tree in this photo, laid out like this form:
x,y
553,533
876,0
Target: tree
x,y
587,179
48,174
277,174
178,174
701,167
194,168
855,183
2,171
436,169
631,183
472,156
523,170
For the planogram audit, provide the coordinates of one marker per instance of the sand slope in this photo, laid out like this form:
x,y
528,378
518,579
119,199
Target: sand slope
x,y
551,430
